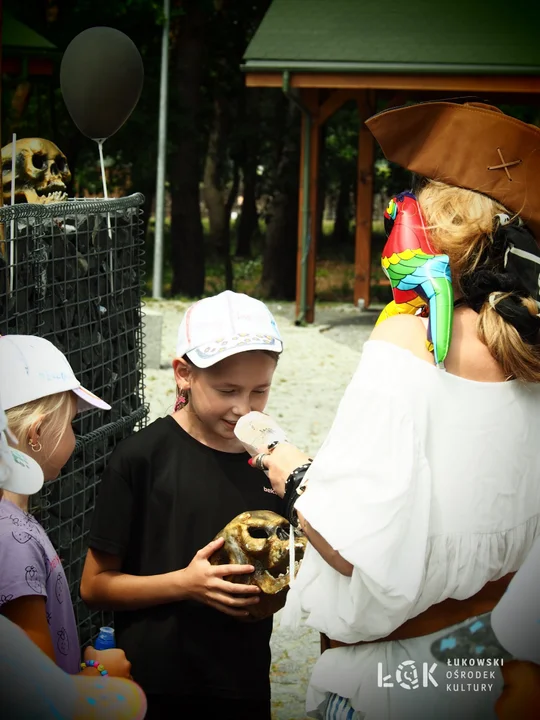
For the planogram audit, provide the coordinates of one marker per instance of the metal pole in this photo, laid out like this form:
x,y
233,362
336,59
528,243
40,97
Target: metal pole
x,y
306,205
306,219
157,283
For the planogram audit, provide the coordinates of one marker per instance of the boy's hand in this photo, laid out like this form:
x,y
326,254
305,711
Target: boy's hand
x,y
204,582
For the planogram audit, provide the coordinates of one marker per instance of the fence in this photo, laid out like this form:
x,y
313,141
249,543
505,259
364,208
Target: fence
x,y
72,272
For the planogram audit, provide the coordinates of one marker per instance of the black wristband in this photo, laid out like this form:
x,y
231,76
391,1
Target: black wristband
x,y
293,492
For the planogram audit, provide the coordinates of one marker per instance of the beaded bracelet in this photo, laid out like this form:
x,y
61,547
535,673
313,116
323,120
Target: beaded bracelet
x,y
94,664
293,490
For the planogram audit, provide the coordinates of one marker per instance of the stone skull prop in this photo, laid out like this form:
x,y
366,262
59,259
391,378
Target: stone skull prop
x,y
261,538
41,172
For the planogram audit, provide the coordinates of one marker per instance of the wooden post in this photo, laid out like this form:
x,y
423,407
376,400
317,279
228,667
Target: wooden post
x,y
364,203
310,101
336,99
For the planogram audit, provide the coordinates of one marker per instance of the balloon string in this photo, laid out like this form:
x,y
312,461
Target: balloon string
x,y
12,247
102,163
105,195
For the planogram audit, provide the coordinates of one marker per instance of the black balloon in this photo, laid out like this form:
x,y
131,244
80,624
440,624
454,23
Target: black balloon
x,y
101,77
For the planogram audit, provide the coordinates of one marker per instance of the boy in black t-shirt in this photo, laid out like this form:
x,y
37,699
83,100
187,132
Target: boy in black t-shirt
x,y
168,490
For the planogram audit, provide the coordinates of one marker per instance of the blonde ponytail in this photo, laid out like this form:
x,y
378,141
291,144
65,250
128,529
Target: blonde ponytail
x,y
519,360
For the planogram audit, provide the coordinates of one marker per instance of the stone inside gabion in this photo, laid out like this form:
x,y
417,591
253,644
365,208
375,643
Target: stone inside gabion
x,y
68,278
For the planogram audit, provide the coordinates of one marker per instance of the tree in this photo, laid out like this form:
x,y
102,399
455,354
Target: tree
x,y
233,122
340,167
187,239
248,160
279,260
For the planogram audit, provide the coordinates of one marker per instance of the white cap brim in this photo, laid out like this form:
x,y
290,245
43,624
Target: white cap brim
x,y
20,474
202,359
88,401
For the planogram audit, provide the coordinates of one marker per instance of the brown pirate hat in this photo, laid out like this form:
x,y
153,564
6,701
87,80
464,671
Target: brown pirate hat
x,y
470,145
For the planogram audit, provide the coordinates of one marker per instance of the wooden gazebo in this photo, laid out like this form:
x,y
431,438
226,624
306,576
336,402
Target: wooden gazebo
x,y
25,57
323,53
25,52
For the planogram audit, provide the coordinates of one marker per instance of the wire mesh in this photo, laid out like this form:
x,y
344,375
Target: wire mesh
x,y
72,272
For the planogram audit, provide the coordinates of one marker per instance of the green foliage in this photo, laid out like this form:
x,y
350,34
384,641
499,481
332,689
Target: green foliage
x,y
256,124
131,152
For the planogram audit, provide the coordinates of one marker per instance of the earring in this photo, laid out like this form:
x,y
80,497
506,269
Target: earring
x,y
36,447
181,399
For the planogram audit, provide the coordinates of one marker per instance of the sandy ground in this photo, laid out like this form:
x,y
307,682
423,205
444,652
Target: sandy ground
x,y
312,374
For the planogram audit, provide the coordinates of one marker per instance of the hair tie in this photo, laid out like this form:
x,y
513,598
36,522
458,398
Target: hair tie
x,y
492,299
515,313
504,219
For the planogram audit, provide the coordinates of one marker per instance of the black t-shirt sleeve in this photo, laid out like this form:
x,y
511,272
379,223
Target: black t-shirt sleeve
x,y
112,518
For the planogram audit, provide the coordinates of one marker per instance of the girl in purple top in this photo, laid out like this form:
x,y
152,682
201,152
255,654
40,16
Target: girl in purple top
x,y
41,397
31,684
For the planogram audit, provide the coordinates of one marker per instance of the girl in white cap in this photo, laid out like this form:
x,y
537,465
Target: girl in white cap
x,y
31,684
168,491
41,397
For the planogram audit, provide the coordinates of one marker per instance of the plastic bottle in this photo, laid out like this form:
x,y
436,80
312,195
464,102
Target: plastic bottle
x,y
105,640
257,430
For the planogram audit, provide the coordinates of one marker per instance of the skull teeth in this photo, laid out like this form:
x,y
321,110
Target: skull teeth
x,y
285,574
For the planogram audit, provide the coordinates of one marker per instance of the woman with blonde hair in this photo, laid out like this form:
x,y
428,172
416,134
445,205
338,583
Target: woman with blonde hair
x,y
425,497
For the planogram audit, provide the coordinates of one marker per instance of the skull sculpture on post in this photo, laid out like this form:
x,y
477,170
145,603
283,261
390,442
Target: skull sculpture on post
x,y
41,172
261,538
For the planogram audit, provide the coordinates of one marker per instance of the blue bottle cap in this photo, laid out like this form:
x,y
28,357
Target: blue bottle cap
x,y
105,640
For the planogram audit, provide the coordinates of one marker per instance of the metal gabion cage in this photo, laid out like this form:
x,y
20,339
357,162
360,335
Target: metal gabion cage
x,y
72,272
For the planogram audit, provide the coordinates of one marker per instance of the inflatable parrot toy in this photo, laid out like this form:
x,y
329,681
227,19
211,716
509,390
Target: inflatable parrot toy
x,y
420,278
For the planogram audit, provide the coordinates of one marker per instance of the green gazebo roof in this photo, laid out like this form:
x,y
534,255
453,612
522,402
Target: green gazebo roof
x,y
420,36
19,38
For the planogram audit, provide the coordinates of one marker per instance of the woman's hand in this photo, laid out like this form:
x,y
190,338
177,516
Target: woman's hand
x,y
204,582
280,462
113,660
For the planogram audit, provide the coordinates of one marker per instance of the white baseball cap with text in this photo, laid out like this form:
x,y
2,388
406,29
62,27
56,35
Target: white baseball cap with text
x,y
32,368
226,324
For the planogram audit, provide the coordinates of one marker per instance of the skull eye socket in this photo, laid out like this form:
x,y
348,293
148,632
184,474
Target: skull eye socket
x,y
38,161
60,163
258,533
261,533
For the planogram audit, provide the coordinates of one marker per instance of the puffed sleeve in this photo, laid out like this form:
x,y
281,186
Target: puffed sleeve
x,y
516,618
368,495
23,563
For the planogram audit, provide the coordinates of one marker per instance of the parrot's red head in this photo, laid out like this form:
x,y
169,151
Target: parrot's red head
x,y
404,226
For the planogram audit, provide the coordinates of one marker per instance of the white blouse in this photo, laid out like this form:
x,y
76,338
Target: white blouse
x,y
429,485
516,619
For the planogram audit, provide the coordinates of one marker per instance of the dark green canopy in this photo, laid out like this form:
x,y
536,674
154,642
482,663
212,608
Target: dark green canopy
x,y
18,38
393,36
